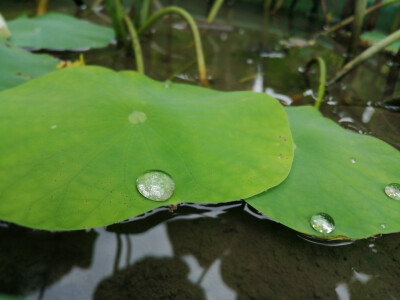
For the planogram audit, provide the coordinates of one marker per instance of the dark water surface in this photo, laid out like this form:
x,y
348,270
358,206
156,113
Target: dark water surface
x,y
220,251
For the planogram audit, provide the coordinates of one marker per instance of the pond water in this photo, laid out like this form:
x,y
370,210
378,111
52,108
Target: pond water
x,y
220,251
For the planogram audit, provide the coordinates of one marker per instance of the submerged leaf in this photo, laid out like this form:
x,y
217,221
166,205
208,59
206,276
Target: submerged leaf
x,y
59,32
74,142
335,172
18,66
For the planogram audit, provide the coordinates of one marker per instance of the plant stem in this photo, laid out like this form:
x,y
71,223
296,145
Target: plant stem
x,y
396,20
196,35
214,10
42,7
351,19
277,6
137,49
144,11
117,17
366,54
322,78
360,7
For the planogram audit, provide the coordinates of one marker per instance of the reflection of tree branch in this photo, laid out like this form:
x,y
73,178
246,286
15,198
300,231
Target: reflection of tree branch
x,y
128,249
118,253
203,274
41,291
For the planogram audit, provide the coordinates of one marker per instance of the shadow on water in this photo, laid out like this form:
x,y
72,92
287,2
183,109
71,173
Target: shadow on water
x,y
195,252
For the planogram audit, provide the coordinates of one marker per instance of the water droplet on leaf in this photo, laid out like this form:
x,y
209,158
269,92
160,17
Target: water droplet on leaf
x,y
383,226
322,223
137,117
353,160
155,185
167,84
393,191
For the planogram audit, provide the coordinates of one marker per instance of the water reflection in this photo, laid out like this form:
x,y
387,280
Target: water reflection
x,y
197,251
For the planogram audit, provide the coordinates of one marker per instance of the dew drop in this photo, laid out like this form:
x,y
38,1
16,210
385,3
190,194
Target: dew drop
x,y
322,223
53,127
137,117
167,84
383,226
155,185
353,160
393,191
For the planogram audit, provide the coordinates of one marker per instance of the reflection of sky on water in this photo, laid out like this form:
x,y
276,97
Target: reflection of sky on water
x,y
81,283
217,252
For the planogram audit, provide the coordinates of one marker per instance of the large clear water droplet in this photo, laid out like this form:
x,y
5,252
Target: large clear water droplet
x,y
393,191
322,223
155,185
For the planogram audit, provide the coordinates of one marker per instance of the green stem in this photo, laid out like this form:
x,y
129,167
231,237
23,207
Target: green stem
x,y
196,35
360,7
117,17
144,11
214,10
396,21
366,54
277,6
135,45
348,20
322,79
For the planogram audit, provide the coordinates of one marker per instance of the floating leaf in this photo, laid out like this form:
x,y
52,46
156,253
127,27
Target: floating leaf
x,y
74,142
335,172
19,66
58,32
373,37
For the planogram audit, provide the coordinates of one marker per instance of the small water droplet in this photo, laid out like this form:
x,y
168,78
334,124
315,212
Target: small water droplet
x,y
53,127
249,61
137,117
353,160
167,84
383,225
393,191
155,185
322,223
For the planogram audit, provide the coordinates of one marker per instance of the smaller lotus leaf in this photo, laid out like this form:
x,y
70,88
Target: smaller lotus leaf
x,y
373,37
18,66
59,32
74,142
335,172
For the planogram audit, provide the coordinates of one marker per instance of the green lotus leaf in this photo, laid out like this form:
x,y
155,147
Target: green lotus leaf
x,y
336,172
59,32
373,37
18,66
74,142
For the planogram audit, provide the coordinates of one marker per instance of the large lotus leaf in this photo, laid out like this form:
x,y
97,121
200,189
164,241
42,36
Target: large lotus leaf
x,y
58,32
73,143
337,172
18,66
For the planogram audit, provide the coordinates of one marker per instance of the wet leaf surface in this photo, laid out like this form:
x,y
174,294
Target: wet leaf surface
x,y
19,66
71,153
55,31
336,172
